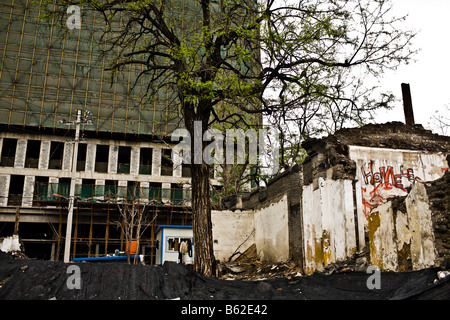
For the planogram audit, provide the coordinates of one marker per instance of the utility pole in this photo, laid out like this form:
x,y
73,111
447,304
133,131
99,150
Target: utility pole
x,y
80,119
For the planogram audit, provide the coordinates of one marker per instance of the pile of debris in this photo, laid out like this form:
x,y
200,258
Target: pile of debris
x,y
247,267
257,270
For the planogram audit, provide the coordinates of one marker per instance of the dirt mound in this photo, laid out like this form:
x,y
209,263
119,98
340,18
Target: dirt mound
x,y
37,279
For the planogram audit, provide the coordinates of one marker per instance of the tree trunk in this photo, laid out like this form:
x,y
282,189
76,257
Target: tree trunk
x,y
204,261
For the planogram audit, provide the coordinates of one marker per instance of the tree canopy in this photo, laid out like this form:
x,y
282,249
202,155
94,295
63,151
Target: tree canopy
x,y
300,64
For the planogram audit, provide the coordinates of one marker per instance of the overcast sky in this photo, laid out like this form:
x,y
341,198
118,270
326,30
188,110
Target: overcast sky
x,y
429,77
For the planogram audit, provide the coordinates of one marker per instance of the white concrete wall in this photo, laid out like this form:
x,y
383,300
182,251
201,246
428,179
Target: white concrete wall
x,y
266,227
272,232
328,223
232,230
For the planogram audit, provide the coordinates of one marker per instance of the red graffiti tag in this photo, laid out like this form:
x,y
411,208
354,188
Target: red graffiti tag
x,y
385,184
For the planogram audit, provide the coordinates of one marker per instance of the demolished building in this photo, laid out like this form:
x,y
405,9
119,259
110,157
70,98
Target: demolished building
x,y
381,188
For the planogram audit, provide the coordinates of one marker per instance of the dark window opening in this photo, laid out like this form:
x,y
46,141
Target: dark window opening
x,y
123,159
186,171
32,155
133,190
41,190
166,162
110,188
101,158
64,188
155,192
56,155
16,190
85,191
81,157
8,152
145,163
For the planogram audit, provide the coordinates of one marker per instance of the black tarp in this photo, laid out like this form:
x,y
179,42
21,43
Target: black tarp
x,y
27,279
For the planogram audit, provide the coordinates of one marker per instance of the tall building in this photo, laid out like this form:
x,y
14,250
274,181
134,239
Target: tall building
x,y
46,75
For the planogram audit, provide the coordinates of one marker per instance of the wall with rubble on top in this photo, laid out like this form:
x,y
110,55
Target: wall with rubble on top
x,y
360,171
378,188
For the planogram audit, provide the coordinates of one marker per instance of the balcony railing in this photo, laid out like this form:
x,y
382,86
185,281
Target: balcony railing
x,y
54,192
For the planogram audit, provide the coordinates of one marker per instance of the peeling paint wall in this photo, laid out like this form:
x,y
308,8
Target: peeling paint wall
x,y
401,236
266,227
328,223
384,173
403,239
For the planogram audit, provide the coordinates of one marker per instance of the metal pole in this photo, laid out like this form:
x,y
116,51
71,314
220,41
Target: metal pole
x,y
72,189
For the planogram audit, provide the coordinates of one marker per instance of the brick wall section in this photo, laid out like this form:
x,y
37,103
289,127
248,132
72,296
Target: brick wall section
x,y
439,196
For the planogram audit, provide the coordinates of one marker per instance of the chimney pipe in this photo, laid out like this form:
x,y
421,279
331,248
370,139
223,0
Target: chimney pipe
x,y
407,104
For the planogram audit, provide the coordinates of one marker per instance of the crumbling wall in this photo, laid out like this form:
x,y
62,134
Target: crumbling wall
x,y
266,227
288,183
401,233
328,223
374,164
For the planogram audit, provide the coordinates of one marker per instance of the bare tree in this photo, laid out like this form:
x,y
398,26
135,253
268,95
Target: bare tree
x,y
135,219
440,121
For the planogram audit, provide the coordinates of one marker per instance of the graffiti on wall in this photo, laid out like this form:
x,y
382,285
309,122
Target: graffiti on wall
x,y
383,183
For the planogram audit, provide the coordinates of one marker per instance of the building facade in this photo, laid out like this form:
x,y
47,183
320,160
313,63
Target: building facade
x,y
46,75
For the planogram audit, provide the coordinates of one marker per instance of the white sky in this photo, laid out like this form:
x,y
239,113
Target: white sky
x,y
429,76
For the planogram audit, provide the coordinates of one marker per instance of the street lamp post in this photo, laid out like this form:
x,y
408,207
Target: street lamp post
x,y
80,119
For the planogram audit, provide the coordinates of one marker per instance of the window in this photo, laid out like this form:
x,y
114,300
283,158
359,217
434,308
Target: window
x,y
8,152
32,155
41,189
154,193
123,159
16,190
86,190
81,157
56,155
173,243
110,188
166,162
64,188
101,158
132,190
145,163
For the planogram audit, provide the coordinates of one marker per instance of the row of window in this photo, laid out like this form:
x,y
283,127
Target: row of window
x,y
33,150
88,191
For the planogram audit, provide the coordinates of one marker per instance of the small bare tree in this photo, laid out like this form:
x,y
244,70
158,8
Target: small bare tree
x,y
135,219
440,121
